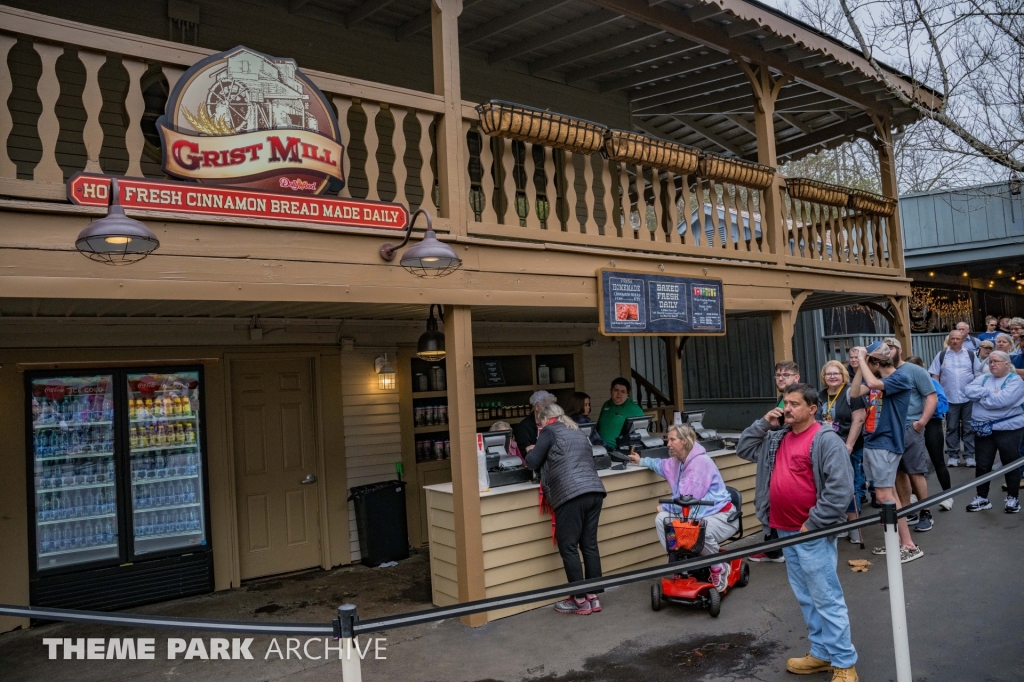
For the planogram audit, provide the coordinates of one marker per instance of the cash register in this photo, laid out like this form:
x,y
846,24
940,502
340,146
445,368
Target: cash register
x,y
636,435
708,438
602,460
503,468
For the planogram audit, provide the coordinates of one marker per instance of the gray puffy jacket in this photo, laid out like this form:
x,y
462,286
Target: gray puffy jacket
x,y
566,463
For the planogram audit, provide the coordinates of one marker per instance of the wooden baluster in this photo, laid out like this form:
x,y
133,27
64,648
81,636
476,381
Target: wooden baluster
x,y
426,148
813,228
172,73
625,205
572,220
711,214
48,87
530,166
672,208
508,183
688,236
399,144
865,237
856,250
589,223
487,180
742,243
92,102
607,175
847,255
788,226
134,141
831,236
645,233
660,214
467,128
8,169
549,189
344,104
372,141
752,225
879,223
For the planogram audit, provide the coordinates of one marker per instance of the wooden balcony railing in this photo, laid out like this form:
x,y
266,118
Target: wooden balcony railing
x,y
75,97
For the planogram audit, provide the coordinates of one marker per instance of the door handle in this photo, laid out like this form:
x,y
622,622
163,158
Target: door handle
x,y
308,479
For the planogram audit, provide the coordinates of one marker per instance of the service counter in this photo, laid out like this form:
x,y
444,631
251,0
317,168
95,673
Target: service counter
x,y
519,554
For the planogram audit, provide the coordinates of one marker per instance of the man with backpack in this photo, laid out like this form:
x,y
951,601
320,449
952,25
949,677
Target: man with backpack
x,y
955,367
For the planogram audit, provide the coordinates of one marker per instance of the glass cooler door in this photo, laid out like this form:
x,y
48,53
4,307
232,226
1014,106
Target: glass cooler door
x,y
73,467
166,465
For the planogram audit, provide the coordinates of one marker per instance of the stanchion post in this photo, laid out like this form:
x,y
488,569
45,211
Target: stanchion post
x,y
344,629
897,603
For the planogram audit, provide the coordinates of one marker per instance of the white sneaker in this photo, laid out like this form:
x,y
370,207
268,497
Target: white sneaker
x,y
979,503
1012,505
946,505
953,462
844,534
969,461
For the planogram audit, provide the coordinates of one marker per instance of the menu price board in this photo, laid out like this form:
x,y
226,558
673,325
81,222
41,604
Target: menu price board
x,y
643,304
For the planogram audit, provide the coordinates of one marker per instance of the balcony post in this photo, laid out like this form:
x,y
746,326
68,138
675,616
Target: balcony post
x,y
766,90
890,188
469,548
783,325
450,142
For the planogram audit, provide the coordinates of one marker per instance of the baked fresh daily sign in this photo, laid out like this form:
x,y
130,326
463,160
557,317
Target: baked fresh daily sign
x,y
659,305
250,136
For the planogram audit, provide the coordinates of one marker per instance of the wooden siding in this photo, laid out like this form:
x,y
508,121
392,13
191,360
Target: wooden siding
x,y
519,554
372,430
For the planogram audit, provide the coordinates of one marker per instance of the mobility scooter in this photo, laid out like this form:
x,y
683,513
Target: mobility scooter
x,y
685,539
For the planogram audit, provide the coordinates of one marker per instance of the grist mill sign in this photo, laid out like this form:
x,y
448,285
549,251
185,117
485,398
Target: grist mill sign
x,y
252,137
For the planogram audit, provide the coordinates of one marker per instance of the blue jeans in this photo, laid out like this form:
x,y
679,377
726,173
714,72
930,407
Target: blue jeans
x,y
857,459
811,567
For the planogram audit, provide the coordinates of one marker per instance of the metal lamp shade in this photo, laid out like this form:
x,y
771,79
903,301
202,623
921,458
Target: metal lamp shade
x,y
430,258
116,239
431,344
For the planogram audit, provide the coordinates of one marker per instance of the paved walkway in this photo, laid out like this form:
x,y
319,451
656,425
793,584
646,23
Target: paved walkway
x,y
965,611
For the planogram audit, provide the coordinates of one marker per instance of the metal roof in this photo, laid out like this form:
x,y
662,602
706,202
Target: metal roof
x,y
671,60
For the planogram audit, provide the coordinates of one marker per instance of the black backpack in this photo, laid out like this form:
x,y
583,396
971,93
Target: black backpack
x,y
942,359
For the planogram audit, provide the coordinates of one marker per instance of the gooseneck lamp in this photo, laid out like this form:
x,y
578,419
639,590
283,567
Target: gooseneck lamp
x,y
428,258
430,346
116,239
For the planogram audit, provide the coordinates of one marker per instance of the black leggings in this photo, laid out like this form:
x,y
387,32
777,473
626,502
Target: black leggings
x,y
576,527
1008,444
935,441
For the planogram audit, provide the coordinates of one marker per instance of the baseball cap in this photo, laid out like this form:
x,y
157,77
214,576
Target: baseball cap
x,y
986,344
879,350
892,341
542,396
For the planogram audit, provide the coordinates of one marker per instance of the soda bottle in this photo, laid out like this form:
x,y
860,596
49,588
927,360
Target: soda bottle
x,y
161,435
168,407
176,406
133,437
108,409
186,406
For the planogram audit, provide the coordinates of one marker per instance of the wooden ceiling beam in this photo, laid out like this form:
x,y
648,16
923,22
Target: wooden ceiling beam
x,y
629,61
670,19
532,9
598,47
364,11
823,135
714,137
421,22
694,63
681,88
795,122
571,28
686,93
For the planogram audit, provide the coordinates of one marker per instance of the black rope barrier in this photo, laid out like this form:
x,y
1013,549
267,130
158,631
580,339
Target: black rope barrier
x,y
348,625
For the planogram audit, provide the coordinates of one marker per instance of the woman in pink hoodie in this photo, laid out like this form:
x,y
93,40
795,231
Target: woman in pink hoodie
x,y
690,471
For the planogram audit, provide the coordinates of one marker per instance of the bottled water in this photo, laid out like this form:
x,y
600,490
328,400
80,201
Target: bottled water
x,y
88,535
190,492
193,520
177,524
192,465
90,503
78,504
66,540
46,541
179,493
165,523
44,513
161,495
76,537
108,532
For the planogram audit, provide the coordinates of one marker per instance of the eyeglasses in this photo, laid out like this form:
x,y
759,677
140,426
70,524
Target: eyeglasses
x,y
835,375
784,374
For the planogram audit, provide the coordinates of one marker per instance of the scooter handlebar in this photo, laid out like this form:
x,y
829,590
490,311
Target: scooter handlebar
x,y
686,501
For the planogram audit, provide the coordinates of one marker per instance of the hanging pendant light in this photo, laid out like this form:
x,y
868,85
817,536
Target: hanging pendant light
x,y
430,347
428,258
116,239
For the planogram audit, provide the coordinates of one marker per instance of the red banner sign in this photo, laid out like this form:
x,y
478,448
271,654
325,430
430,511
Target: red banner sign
x,y
87,189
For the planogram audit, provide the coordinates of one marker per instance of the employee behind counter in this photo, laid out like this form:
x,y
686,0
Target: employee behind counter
x,y
616,410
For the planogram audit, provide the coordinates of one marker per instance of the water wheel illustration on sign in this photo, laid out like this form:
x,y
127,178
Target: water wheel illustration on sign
x,y
229,102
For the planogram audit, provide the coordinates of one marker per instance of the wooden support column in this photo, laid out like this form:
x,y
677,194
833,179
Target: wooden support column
x,y
783,324
676,381
451,143
890,188
625,359
900,306
766,90
469,549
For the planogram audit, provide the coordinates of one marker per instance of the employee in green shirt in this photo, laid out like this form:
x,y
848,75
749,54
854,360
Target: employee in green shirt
x,y
615,410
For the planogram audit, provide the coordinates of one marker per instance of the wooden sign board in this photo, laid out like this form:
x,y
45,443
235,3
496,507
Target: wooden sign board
x,y
647,304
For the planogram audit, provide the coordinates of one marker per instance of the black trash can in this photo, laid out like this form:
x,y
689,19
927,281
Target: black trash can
x,y
380,518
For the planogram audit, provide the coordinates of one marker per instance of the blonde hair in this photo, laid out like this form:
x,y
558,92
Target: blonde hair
x,y
842,370
685,433
500,426
553,411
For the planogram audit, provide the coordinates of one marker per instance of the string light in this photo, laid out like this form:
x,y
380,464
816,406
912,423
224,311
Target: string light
x,y
965,274
999,272
927,302
931,274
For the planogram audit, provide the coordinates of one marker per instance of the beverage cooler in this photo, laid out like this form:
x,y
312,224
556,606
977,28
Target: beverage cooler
x,y
117,487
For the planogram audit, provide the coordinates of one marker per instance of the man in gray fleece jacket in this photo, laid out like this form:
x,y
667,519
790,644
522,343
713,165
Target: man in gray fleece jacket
x,y
805,482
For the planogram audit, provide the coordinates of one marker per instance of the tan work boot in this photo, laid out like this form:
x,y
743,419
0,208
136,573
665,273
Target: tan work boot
x,y
808,665
845,674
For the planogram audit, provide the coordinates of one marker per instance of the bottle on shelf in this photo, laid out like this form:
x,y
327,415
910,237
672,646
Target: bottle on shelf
x,y
186,406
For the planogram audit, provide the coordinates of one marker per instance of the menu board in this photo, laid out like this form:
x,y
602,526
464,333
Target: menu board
x,y
659,305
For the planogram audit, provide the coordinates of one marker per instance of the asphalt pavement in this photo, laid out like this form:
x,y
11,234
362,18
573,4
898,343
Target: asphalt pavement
x,y
964,610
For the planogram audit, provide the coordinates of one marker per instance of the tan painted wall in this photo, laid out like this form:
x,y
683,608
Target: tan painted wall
x,y
519,554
